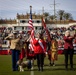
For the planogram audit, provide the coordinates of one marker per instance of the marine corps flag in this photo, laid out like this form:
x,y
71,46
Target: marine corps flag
x,y
45,28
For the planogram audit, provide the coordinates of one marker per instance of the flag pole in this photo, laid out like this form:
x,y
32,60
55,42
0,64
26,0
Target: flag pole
x,y
32,61
30,7
31,12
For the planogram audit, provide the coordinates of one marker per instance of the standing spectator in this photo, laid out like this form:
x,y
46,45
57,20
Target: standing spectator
x,y
1,43
68,49
39,50
15,47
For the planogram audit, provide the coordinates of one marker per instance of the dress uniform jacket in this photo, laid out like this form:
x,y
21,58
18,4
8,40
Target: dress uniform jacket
x,y
37,48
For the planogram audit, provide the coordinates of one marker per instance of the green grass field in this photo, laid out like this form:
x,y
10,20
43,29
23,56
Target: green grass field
x,y
59,69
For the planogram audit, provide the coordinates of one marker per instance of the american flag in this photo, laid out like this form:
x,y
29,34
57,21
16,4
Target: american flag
x,y
45,28
31,27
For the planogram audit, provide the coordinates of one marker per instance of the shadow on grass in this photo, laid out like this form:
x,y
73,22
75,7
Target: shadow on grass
x,y
57,67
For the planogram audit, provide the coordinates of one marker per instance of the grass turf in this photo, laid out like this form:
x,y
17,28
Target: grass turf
x,y
59,69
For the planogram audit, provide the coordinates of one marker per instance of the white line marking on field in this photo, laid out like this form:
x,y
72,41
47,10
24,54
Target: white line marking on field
x,y
32,71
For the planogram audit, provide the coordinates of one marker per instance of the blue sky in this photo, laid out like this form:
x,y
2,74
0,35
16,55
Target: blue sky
x,y
9,8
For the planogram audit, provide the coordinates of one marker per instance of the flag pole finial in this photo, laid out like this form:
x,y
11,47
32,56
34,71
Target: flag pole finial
x,y
30,7
30,12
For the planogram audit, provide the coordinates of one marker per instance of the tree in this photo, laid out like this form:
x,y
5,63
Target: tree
x,y
68,16
60,14
52,17
46,14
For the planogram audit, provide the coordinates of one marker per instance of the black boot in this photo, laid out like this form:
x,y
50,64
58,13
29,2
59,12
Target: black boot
x,y
41,69
66,68
38,68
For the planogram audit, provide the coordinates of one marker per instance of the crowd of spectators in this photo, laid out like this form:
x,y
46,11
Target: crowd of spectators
x,y
54,32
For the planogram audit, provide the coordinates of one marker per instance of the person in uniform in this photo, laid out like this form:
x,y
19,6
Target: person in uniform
x,y
15,48
54,51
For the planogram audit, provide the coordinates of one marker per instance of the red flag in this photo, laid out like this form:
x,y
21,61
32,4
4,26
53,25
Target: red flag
x,y
47,32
